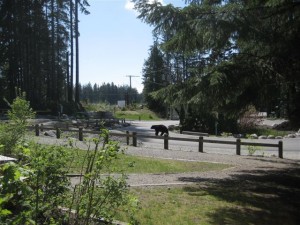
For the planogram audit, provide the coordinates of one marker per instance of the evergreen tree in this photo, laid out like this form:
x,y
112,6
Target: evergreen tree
x,y
34,41
245,54
154,78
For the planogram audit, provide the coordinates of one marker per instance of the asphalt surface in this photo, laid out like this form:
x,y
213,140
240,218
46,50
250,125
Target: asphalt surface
x,y
291,146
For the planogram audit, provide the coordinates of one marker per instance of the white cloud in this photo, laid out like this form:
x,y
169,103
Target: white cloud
x,y
161,1
130,5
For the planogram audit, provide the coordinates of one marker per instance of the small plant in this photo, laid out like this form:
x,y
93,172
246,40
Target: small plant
x,y
98,195
252,149
13,132
20,110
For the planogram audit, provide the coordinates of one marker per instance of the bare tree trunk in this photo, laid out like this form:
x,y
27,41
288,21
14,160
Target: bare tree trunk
x,y
77,53
70,95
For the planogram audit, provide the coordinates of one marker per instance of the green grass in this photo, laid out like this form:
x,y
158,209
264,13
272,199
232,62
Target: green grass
x,y
262,197
142,114
137,164
266,131
176,205
229,202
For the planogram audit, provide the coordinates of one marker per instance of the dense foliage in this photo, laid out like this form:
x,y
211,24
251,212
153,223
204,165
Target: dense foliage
x,y
36,42
154,79
35,189
223,57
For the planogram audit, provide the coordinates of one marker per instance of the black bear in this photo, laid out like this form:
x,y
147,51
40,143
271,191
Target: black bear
x,y
160,128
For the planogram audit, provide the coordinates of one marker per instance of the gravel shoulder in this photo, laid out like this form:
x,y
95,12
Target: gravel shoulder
x,y
242,166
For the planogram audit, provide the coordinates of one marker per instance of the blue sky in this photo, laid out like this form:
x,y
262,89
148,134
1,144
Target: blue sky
x,y
113,43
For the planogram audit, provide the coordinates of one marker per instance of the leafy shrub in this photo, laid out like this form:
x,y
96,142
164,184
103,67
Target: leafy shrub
x,y
16,205
34,189
100,195
35,186
13,132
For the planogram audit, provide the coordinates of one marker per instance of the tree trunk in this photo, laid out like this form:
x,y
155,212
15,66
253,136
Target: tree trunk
x,y
77,53
70,95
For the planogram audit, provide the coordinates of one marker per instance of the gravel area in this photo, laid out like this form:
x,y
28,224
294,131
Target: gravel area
x,y
241,165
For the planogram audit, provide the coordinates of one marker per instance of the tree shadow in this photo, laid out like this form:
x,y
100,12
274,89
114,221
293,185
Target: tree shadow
x,y
259,196
289,162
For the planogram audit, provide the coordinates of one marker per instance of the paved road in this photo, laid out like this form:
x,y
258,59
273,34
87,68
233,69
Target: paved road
x,y
291,146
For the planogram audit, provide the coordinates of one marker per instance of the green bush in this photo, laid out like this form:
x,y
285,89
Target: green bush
x,y
13,132
36,187
98,195
15,195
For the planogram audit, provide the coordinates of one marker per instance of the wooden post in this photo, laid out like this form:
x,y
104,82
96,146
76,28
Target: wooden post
x,y
37,130
134,141
200,144
166,142
238,146
127,137
280,149
80,134
57,133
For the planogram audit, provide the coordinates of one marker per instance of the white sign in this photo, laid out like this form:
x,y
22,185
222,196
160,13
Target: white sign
x,y
121,103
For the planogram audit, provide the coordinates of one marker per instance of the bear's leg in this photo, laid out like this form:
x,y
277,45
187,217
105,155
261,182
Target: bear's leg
x,y
156,132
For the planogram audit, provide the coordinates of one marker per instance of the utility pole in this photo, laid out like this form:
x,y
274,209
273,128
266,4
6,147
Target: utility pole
x,y
129,99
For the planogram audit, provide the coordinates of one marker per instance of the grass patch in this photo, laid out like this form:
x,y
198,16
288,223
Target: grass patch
x,y
225,202
139,164
142,114
175,206
129,114
266,131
